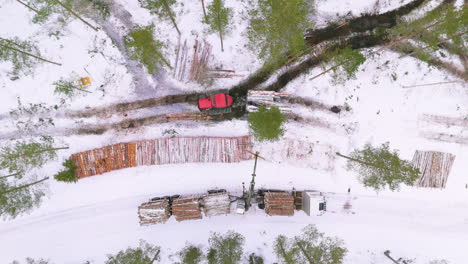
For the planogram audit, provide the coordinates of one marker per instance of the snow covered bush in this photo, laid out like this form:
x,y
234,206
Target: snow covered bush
x,y
267,124
311,246
67,174
225,249
145,253
378,167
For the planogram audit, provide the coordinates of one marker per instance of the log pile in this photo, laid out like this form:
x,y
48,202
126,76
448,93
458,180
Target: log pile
x,y
434,168
186,209
192,149
200,60
217,204
256,98
161,151
279,203
153,212
101,160
181,61
297,199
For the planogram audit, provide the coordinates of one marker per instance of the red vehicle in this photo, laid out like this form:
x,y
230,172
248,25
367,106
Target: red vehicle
x,y
216,101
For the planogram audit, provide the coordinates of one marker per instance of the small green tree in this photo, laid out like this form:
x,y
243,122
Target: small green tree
x,y
225,249
67,174
276,27
310,247
145,253
267,124
379,167
190,255
69,87
162,8
144,48
218,19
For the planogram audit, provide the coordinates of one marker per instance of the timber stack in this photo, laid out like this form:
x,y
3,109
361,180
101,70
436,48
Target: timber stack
x,y
154,212
186,208
297,199
279,203
217,204
434,168
161,151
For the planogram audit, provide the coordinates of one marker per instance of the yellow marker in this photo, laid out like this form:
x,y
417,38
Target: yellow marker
x,y
85,81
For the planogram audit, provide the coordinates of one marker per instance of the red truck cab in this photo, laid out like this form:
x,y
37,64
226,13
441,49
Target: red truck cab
x,y
216,101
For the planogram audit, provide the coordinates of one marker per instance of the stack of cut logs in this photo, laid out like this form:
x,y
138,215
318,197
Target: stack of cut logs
x,y
153,212
297,199
434,168
217,204
279,203
186,209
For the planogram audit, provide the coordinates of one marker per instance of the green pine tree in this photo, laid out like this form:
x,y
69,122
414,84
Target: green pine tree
x,y
68,173
310,247
145,253
18,197
218,19
378,167
161,8
345,63
144,48
24,155
226,249
23,55
191,255
276,28
267,124
285,251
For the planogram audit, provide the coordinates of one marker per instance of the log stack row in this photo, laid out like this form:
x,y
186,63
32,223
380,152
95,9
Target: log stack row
x,y
279,203
161,151
186,209
217,204
154,212
434,168
102,160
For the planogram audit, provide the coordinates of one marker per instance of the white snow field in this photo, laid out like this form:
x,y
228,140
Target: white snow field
x,y
98,215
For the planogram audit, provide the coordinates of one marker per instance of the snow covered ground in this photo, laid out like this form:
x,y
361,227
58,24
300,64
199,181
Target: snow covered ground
x,y
98,215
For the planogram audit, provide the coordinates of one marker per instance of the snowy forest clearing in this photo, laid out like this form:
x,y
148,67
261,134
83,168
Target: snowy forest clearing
x,y
129,100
